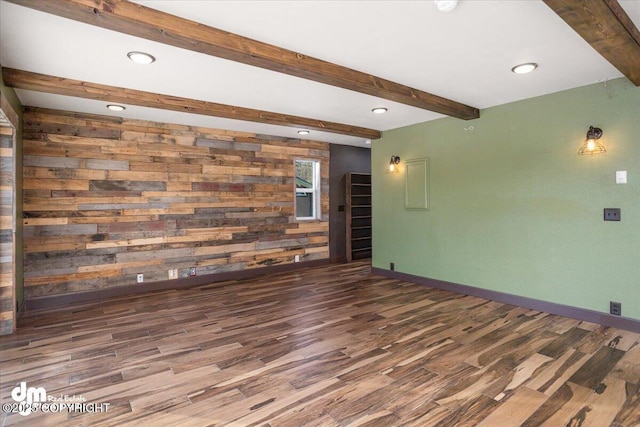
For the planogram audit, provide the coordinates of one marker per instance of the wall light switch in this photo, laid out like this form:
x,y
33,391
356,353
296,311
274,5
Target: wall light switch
x,y
621,177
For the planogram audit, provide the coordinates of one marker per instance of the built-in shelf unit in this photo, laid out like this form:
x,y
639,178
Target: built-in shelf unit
x,y
358,221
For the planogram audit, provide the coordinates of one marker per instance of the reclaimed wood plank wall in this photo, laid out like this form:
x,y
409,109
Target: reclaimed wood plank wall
x,y
7,296
106,198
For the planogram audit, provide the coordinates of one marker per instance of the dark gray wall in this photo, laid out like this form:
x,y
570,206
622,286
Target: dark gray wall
x,y
344,159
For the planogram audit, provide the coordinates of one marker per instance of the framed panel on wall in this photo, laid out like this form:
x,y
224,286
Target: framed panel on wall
x,y
416,194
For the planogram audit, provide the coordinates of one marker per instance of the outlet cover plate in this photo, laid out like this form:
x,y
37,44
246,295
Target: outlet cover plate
x,y
612,214
139,278
615,308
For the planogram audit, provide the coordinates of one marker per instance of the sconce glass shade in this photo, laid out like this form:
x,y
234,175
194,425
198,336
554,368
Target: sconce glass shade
x,y
393,162
591,145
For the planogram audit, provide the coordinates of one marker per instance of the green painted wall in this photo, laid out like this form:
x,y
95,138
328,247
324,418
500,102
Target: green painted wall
x,y
513,208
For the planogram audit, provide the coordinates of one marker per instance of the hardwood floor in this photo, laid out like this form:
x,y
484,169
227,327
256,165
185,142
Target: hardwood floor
x,y
331,346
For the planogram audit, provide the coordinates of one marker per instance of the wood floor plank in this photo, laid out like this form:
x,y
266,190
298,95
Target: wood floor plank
x,y
523,372
591,374
628,368
629,414
472,387
561,406
555,374
431,417
471,413
601,407
560,345
516,408
329,346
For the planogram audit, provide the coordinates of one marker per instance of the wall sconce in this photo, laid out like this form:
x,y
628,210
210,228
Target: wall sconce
x,y
591,145
395,160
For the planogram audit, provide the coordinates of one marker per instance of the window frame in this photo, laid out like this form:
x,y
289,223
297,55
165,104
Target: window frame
x,y
315,191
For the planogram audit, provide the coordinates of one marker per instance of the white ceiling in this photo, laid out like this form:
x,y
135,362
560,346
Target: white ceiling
x,y
465,55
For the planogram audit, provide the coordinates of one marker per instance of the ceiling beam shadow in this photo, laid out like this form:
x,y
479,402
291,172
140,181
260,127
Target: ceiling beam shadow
x,y
140,21
607,28
19,79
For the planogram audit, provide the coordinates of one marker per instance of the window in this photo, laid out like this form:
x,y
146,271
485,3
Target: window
x,y
307,189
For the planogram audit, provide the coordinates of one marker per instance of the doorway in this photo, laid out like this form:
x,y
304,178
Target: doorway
x,y
8,219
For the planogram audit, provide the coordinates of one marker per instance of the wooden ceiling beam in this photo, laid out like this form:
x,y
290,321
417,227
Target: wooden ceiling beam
x,y
19,79
607,28
140,21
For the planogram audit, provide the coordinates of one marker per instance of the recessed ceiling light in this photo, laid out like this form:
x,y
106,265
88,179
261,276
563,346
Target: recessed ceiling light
x,y
115,107
303,132
379,110
446,5
141,57
524,68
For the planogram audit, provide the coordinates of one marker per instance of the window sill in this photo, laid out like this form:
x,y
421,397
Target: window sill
x,y
309,220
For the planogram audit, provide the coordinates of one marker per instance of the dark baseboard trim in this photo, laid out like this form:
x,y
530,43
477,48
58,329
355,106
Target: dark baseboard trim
x,y
164,285
531,303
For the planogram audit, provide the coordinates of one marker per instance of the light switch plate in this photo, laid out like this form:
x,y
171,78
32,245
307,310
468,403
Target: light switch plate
x,y
621,177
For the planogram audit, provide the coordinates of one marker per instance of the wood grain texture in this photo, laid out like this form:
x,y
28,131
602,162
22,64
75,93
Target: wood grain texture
x,y
329,346
123,197
607,28
20,79
152,24
7,236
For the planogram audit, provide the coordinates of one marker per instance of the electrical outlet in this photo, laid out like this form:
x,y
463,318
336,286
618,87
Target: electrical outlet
x,y
139,278
392,266
612,214
173,273
296,258
615,308
192,271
